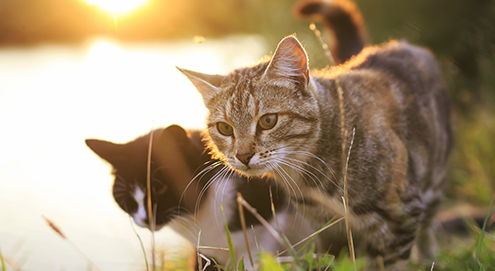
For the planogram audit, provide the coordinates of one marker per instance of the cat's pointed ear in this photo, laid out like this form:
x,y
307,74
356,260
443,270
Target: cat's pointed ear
x,y
289,62
207,84
175,150
107,150
177,158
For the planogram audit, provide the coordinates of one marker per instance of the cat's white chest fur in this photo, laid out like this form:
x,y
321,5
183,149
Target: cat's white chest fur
x,y
209,226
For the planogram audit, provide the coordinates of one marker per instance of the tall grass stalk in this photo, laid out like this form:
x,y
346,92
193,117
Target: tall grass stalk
x,y
244,230
343,132
151,214
255,239
265,223
74,247
141,243
346,204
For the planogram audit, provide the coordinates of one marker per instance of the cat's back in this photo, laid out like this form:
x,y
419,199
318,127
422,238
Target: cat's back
x,y
399,78
396,99
406,80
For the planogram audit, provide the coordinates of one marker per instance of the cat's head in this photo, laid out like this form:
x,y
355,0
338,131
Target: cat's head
x,y
173,163
262,117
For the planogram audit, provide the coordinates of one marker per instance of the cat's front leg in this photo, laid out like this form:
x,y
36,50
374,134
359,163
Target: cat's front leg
x,y
389,243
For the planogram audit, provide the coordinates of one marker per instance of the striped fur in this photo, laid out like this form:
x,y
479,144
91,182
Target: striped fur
x,y
188,189
394,99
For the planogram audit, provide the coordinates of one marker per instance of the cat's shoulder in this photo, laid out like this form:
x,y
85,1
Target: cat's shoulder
x,y
392,54
394,59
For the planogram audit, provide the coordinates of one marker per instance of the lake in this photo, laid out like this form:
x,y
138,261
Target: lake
x,y
52,97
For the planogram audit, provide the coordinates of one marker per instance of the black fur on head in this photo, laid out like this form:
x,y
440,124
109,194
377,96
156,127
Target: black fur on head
x,y
173,163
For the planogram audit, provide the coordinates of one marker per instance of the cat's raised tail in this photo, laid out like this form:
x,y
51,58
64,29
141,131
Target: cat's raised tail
x,y
344,21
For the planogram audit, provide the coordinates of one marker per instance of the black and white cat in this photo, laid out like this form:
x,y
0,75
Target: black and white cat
x,y
187,189
188,186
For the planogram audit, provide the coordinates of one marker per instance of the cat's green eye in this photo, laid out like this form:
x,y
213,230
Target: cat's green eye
x,y
225,129
268,121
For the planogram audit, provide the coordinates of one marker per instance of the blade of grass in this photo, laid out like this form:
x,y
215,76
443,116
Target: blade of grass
x,y
2,261
480,239
141,243
241,265
243,224
229,241
149,204
329,224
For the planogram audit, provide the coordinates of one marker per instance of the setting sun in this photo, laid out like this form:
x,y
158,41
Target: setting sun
x,y
117,7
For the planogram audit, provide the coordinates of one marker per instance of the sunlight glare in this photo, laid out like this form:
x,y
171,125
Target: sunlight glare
x,y
118,7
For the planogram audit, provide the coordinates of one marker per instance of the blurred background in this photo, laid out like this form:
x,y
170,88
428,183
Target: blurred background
x,y
75,69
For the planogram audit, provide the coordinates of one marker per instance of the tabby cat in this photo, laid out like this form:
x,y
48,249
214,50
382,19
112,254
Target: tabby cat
x,y
190,204
276,119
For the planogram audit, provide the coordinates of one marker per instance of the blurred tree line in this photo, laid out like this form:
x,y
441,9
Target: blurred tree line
x,y
461,33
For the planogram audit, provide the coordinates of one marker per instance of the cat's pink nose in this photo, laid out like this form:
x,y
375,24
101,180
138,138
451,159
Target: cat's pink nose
x,y
245,158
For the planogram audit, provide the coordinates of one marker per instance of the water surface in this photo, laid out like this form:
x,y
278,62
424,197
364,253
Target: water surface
x,y
53,97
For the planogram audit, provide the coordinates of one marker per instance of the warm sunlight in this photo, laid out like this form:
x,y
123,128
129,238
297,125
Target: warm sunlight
x,y
118,7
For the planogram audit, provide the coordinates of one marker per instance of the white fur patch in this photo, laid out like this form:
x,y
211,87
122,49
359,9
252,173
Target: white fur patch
x,y
140,215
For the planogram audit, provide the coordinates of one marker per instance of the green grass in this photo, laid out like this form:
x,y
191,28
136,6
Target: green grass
x,y
2,261
473,253
477,253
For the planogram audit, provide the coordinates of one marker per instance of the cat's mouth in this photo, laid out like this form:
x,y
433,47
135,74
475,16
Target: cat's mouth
x,y
253,170
143,223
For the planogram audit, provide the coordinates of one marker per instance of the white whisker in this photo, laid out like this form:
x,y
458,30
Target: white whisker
x,y
301,170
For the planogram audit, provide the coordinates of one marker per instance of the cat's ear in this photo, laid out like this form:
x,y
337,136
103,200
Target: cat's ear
x,y
175,151
109,151
177,158
289,62
207,84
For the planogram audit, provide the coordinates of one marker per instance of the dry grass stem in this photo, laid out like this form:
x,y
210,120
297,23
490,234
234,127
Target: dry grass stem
x,y
265,223
208,262
213,248
198,254
379,261
74,247
255,239
244,230
54,227
346,204
432,266
149,204
343,132
324,45
141,243
312,235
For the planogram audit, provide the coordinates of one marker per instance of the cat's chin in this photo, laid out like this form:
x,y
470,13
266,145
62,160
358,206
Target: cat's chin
x,y
253,172
143,224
